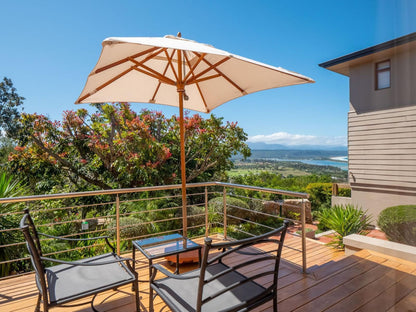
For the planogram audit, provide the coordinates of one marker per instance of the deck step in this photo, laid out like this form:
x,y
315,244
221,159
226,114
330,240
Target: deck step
x,y
333,267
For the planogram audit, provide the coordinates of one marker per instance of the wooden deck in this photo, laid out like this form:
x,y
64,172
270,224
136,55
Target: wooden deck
x,y
366,281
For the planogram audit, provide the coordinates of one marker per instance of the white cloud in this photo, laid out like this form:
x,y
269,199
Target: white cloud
x,y
285,138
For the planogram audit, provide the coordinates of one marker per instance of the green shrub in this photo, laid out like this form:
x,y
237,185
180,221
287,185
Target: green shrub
x,y
130,227
320,195
196,215
344,192
399,224
217,206
344,220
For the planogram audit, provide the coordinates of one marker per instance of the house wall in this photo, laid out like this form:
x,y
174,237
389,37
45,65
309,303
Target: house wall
x,y
402,93
382,134
375,200
382,158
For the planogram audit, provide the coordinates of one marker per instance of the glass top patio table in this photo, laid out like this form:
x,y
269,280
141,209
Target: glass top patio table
x,y
161,246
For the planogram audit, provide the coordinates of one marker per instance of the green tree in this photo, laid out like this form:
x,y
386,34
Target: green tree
x,y
6,147
10,106
117,148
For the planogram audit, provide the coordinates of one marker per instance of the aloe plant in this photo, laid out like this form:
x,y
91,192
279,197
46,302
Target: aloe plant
x,y
344,220
8,188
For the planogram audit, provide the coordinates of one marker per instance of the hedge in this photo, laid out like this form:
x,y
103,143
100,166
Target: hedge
x,y
399,224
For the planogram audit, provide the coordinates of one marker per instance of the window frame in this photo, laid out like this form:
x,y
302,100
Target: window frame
x,y
378,71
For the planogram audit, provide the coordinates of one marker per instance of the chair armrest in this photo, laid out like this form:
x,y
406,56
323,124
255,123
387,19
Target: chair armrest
x,y
75,263
81,239
158,267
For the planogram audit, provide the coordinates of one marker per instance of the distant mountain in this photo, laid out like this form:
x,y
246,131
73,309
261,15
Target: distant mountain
x,y
274,147
264,146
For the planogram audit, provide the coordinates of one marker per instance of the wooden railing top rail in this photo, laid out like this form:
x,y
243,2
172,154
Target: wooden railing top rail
x,y
148,189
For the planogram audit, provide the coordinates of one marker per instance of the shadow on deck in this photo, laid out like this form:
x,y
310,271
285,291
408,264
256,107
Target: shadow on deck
x,y
366,281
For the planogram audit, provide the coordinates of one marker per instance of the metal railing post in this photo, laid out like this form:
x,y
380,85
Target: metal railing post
x,y
118,223
206,213
224,202
303,220
117,214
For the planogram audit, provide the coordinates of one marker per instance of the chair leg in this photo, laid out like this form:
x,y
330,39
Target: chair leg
x,y
44,300
151,299
136,293
37,308
275,304
92,303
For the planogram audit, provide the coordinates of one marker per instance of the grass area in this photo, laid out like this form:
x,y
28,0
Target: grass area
x,y
286,169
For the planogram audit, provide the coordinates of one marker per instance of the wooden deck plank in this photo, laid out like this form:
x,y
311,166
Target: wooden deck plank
x,y
335,285
406,304
332,267
310,289
392,295
357,287
369,292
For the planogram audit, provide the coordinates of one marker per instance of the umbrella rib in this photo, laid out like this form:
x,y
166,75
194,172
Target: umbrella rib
x,y
191,72
151,72
211,67
105,84
126,59
225,76
152,100
170,63
157,76
205,78
141,63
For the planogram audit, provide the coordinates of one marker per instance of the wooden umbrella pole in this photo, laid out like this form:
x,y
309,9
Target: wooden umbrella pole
x,y
181,90
183,168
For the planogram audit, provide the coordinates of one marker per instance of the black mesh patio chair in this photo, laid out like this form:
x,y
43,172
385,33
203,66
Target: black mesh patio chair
x,y
69,281
230,280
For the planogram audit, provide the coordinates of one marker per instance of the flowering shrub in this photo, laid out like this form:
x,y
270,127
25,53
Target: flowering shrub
x,y
116,147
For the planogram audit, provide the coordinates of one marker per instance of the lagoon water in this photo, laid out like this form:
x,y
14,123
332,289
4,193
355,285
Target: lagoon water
x,y
340,162
343,165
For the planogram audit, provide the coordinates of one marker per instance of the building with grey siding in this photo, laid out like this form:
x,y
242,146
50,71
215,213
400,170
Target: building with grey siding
x,y
381,123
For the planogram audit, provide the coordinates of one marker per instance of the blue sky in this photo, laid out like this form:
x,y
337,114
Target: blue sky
x,y
49,47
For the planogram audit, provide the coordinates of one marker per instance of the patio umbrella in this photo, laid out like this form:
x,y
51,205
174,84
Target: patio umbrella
x,y
178,72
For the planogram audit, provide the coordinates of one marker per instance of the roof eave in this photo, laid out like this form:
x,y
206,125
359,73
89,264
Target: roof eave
x,y
365,52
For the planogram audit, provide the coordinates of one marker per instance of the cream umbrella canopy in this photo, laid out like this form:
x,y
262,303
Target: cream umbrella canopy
x,y
177,72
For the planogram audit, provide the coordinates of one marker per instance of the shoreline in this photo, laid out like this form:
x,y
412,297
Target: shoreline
x,y
340,159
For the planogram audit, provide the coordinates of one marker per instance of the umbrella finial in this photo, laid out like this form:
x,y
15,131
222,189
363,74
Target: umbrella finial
x,y
179,35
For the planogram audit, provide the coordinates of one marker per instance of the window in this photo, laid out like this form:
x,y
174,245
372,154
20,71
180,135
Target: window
x,y
383,75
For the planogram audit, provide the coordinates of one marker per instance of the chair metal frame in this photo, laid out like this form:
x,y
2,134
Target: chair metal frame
x,y
31,235
246,247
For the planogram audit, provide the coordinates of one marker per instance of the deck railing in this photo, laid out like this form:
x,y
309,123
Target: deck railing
x,y
150,211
